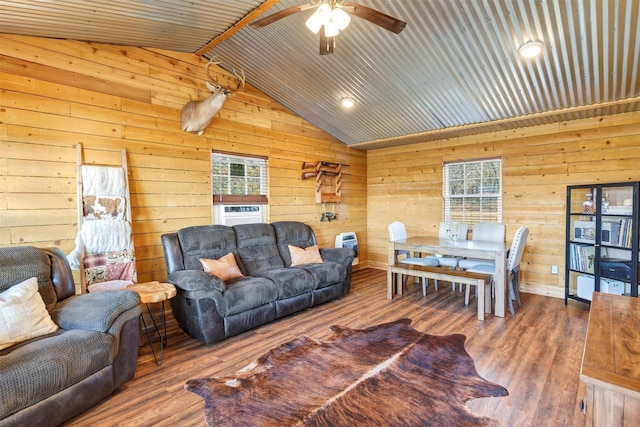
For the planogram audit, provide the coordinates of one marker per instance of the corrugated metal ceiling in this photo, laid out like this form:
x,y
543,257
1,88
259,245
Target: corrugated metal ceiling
x,y
454,70
179,25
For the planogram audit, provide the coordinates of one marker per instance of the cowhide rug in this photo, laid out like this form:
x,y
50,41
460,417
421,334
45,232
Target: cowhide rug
x,y
385,375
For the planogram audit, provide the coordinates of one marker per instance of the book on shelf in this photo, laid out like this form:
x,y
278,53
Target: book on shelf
x,y
583,258
624,235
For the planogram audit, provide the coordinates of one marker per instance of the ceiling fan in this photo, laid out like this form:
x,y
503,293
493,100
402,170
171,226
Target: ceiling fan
x,y
332,16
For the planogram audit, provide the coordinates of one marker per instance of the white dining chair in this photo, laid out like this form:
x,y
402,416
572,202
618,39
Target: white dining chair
x,y
398,231
485,231
513,268
450,261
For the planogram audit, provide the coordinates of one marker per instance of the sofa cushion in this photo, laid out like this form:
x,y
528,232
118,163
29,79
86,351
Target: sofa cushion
x,y
23,314
246,292
19,263
105,308
225,268
290,282
39,368
325,274
196,280
210,242
257,248
310,255
292,233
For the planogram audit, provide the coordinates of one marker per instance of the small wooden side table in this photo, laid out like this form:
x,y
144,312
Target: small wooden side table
x,y
610,364
150,293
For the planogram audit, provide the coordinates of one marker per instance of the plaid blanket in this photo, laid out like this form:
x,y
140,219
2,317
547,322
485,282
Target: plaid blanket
x,y
119,265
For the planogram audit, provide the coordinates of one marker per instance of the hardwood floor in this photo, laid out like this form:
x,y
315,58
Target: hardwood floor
x,y
535,354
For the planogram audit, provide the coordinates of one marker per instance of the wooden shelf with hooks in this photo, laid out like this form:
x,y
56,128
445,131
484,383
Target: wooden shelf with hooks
x,y
328,177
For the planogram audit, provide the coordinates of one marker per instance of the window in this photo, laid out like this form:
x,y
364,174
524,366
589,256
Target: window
x,y
472,191
238,179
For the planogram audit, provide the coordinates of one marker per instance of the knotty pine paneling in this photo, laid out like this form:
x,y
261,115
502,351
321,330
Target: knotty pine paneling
x,y
405,183
55,94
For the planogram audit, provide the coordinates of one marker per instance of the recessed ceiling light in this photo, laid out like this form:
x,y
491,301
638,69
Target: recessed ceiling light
x,y
348,102
531,49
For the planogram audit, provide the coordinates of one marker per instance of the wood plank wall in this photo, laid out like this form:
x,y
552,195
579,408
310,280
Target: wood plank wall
x,y
405,183
56,94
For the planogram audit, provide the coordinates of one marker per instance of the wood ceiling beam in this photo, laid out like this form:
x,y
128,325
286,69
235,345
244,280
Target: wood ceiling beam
x,y
237,26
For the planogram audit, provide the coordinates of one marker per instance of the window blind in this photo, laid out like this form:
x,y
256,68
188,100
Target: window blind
x,y
238,179
472,191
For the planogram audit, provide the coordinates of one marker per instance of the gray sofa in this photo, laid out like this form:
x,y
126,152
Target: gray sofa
x,y
211,310
49,379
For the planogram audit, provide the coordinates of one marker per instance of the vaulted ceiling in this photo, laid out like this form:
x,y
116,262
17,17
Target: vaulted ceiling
x,y
454,70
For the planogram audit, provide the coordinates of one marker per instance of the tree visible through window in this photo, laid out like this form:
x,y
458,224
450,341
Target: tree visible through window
x,y
238,179
472,191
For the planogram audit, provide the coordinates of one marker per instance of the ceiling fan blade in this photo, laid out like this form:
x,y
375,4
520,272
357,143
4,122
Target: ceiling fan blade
x,y
281,14
327,44
383,20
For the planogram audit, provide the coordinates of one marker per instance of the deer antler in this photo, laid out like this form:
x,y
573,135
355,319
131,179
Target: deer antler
x,y
240,79
211,78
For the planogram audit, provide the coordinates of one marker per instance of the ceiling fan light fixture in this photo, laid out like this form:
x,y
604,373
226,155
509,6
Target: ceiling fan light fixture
x,y
331,29
313,24
320,17
341,18
531,49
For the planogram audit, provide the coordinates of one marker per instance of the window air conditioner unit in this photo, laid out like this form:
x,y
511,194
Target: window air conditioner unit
x,y
239,214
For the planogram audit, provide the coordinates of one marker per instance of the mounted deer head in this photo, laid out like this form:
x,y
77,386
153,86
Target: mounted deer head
x,y
197,115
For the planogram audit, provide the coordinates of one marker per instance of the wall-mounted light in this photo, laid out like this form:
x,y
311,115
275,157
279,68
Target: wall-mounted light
x,y
531,49
348,102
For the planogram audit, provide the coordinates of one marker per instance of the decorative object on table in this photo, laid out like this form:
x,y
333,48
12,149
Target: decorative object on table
x,y
104,251
444,232
452,231
486,232
389,374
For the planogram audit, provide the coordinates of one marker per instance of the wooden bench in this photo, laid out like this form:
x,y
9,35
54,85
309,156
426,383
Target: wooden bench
x,y
480,280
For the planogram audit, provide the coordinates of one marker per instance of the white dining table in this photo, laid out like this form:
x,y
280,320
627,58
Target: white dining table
x,y
493,251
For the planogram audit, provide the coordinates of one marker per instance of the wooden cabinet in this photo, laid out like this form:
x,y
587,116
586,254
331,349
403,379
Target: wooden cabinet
x,y
601,240
611,362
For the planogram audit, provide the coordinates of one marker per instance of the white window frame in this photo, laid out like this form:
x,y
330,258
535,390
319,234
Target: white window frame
x,y
463,196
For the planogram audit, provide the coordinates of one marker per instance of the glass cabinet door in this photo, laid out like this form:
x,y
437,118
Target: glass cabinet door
x,y
581,247
616,239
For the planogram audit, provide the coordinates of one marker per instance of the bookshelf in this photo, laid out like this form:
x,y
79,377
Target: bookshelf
x,y
601,240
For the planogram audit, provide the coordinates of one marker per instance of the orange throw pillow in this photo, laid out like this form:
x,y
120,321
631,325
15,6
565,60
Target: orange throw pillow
x,y
225,268
310,255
